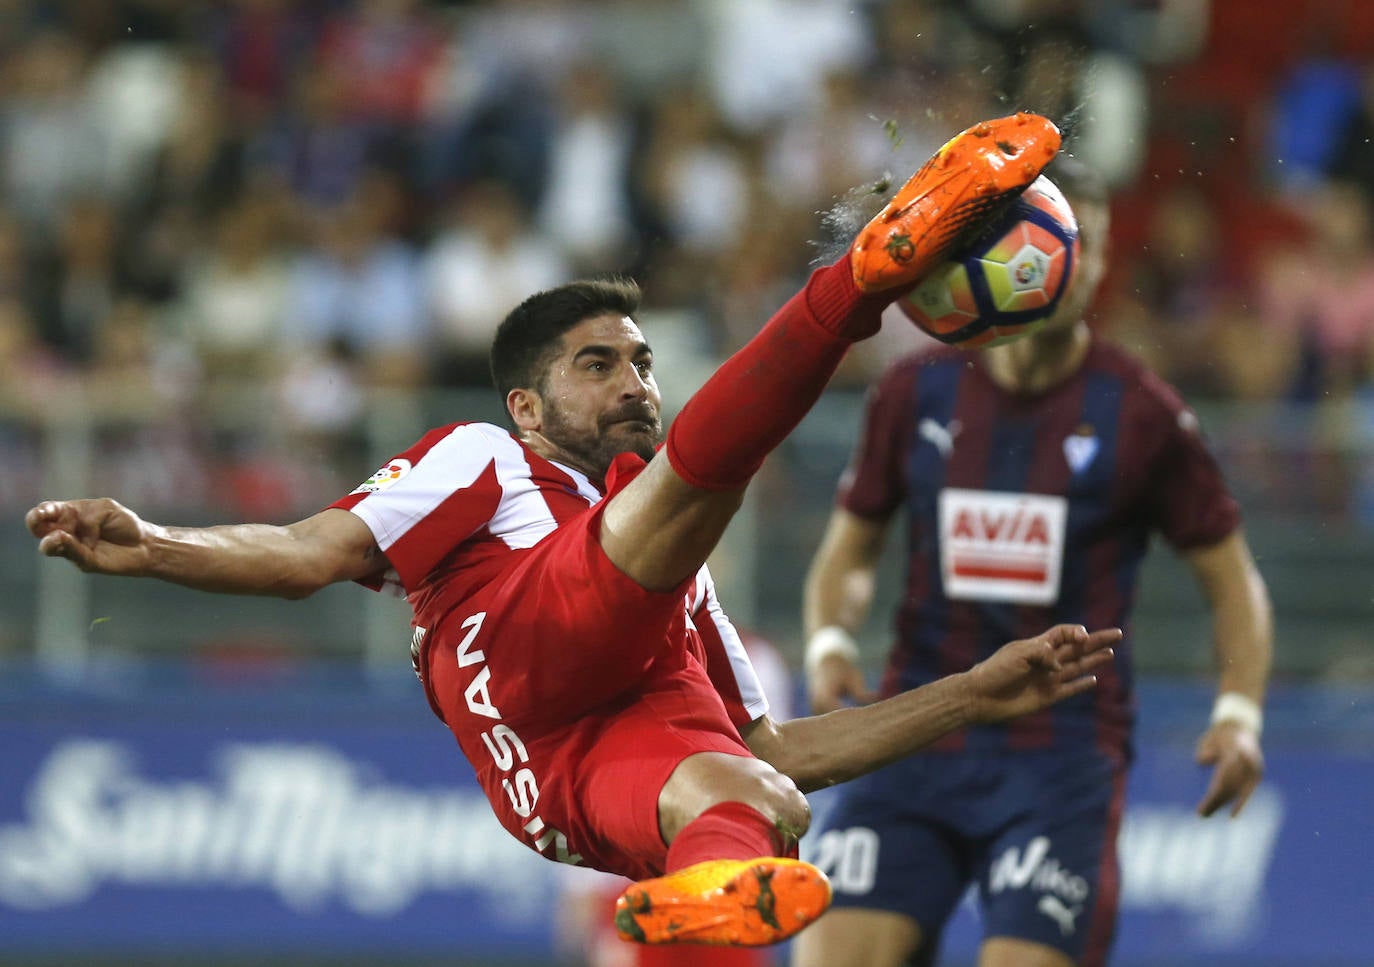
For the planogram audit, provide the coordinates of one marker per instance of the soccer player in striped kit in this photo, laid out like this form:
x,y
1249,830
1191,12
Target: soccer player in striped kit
x,y
566,628
1032,477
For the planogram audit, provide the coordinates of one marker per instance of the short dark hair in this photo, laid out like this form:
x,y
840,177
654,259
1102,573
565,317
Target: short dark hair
x,y
528,337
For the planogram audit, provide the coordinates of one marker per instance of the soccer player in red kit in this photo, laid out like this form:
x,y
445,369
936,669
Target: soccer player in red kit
x,y
566,629
1032,476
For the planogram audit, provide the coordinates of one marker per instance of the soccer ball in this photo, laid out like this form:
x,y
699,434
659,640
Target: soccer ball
x,y
1009,281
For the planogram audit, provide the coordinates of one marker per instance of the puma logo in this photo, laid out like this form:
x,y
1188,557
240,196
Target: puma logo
x,y
941,437
1054,908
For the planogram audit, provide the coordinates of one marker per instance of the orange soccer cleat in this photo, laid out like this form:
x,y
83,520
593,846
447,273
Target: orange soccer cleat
x,y
967,183
741,903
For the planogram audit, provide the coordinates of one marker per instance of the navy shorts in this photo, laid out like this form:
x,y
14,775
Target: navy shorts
x,y
1035,832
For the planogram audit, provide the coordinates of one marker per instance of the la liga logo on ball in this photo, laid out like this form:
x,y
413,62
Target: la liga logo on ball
x,y
1008,281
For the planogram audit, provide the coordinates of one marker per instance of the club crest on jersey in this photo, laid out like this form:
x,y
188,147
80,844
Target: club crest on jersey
x,y
384,477
1080,447
997,546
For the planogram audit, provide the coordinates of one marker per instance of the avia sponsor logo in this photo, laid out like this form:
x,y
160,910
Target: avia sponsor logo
x,y
506,748
1063,892
999,546
1210,870
302,821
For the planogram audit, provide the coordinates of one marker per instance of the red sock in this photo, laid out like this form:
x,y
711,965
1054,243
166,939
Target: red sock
x,y
761,393
727,831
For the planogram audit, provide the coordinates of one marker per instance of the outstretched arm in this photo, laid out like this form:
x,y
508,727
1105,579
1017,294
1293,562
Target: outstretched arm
x,y
1242,628
1019,678
104,537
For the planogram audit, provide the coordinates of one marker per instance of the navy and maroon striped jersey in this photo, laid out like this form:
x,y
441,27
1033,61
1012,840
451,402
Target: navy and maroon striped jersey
x,y
1024,511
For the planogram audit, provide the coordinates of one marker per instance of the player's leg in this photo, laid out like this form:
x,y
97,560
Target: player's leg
x,y
665,523
853,937
661,527
898,870
692,956
1051,883
710,780
732,824
717,870
1012,952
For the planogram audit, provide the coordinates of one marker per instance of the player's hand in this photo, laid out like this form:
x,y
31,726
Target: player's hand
x,y
1238,765
834,682
1026,676
98,535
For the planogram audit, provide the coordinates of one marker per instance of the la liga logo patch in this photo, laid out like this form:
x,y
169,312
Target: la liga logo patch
x,y
385,477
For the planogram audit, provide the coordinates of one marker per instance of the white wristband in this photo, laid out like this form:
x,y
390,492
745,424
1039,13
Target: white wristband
x,y
830,640
1240,709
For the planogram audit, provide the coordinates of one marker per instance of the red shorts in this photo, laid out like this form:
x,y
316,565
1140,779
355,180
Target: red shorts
x,y
575,693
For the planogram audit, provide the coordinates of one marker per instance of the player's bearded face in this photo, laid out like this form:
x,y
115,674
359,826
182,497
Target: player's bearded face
x,y
598,399
631,427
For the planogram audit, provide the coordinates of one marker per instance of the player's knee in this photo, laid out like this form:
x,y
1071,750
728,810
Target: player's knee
x,y
783,803
709,779
775,797
798,810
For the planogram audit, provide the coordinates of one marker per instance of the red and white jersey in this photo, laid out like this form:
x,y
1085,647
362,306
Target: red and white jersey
x,y
467,499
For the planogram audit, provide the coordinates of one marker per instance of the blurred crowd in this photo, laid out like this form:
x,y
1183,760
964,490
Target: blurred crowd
x,y
330,197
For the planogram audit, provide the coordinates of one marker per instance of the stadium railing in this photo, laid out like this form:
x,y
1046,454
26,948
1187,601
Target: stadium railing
x,y
1305,477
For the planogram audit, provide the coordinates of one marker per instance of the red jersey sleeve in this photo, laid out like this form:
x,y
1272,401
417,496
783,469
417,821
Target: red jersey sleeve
x,y
426,501
727,662
1193,507
873,485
